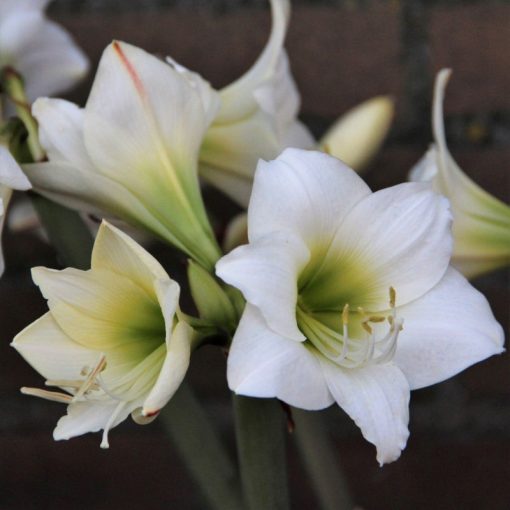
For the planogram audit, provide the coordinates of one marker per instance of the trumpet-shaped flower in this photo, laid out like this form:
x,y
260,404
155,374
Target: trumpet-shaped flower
x,y
350,298
11,177
112,339
481,226
39,49
257,117
132,152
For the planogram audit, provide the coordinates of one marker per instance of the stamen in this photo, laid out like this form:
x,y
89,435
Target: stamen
x,y
68,383
354,352
91,378
53,396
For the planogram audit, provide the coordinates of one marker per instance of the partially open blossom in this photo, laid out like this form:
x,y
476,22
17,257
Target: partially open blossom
x,y
350,297
357,135
112,339
11,177
257,117
481,226
39,49
132,152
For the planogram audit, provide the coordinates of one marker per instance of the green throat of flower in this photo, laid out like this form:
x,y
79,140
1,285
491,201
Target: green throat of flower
x,y
366,346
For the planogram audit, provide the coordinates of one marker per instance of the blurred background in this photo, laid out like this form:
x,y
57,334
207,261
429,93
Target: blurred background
x,y
342,52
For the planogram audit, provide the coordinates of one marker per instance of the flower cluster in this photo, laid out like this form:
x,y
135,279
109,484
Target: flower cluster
x,y
325,292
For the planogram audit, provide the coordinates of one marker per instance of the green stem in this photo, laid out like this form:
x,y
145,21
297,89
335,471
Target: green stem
x,y
260,430
199,447
320,461
13,85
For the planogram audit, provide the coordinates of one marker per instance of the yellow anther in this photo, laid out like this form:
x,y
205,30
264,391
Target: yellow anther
x,y
366,327
393,297
376,318
345,314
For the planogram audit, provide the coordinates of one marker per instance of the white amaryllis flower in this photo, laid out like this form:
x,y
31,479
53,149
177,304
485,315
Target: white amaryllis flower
x,y
481,226
350,298
112,339
132,152
257,117
39,49
11,177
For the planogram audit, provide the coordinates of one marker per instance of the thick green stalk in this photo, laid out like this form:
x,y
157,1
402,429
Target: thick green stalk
x,y
320,461
260,430
186,423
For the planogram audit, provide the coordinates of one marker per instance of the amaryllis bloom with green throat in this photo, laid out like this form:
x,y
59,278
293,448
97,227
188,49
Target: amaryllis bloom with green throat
x,y
132,152
350,296
481,226
112,342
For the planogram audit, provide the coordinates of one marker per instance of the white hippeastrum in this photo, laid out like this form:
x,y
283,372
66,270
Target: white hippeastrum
x,y
132,152
112,339
481,226
39,49
11,177
357,136
350,298
257,117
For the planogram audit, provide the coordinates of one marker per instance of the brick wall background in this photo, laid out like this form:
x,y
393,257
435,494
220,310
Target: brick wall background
x,y
341,52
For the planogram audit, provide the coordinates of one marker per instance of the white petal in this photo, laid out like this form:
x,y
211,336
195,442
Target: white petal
x,y
51,63
51,352
399,237
17,7
264,364
18,27
173,370
447,330
358,135
11,174
144,122
305,192
93,193
61,132
230,152
238,99
117,252
376,397
266,272
426,168
90,416
103,311
298,135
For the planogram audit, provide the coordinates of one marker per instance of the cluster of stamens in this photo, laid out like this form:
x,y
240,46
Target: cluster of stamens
x,y
355,352
80,388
